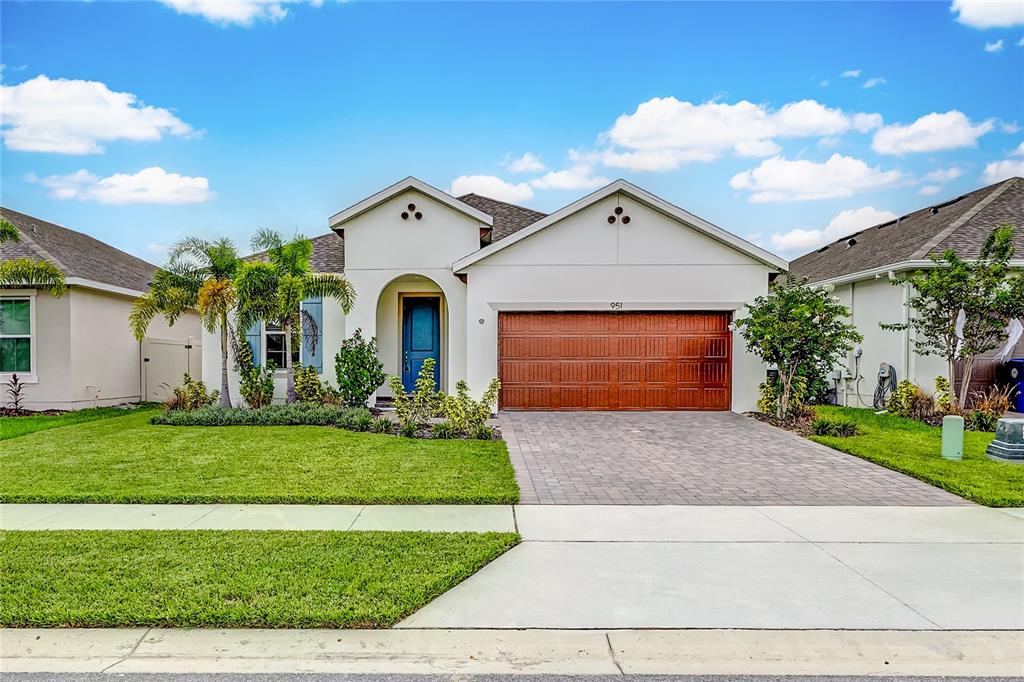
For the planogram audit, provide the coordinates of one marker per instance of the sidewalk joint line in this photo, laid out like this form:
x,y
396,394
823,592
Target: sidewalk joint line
x,y
130,653
213,508
353,524
515,520
611,650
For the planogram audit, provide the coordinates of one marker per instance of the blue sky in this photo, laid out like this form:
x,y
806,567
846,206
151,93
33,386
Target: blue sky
x,y
143,122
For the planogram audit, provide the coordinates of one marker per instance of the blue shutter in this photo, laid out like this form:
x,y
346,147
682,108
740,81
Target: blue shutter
x,y
255,337
313,349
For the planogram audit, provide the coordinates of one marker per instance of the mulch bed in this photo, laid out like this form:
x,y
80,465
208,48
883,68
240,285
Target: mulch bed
x,y
11,412
799,425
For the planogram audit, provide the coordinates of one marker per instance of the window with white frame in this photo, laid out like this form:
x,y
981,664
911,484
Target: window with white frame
x,y
16,335
274,346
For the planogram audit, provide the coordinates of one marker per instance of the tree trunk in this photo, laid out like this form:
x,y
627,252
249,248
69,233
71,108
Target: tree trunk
x,y
288,373
954,401
225,397
787,384
965,381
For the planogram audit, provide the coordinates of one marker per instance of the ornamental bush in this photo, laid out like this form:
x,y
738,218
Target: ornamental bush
x,y
465,414
190,396
308,388
838,427
415,409
256,384
358,369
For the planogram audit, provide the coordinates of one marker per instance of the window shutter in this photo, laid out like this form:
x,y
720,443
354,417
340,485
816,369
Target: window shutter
x,y
254,337
314,357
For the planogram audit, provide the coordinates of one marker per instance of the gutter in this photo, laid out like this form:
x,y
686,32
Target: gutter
x,y
884,270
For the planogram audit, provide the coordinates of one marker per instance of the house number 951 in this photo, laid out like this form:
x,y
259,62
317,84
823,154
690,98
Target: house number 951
x,y
616,305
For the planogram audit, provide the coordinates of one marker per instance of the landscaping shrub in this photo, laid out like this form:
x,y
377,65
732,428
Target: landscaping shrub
x,y
358,370
14,393
943,401
308,388
381,425
416,409
482,432
361,421
256,384
443,430
988,406
190,396
408,429
838,427
295,414
911,401
771,392
465,414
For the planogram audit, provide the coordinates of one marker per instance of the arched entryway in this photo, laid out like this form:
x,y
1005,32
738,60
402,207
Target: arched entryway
x,y
412,325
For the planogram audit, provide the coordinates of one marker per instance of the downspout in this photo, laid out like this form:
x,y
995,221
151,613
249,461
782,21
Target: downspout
x,y
910,375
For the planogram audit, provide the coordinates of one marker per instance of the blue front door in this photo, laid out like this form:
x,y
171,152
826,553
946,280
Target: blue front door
x,y
421,337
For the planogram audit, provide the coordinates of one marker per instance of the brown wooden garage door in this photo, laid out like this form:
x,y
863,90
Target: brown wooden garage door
x,y
614,361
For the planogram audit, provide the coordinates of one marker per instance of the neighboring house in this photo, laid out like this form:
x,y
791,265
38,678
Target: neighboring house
x,y
618,301
77,351
861,266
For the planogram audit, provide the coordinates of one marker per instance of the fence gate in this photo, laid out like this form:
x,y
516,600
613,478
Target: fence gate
x,y
165,362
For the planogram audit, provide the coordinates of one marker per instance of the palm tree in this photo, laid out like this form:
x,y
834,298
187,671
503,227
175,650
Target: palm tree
x,y
30,272
273,291
199,276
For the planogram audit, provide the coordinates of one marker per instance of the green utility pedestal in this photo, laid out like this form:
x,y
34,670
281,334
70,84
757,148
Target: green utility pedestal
x,y
952,437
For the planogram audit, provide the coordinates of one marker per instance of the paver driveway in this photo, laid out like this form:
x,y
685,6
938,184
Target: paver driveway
x,y
691,458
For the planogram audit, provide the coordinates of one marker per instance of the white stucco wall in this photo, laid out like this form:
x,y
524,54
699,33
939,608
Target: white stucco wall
x,y
86,355
584,263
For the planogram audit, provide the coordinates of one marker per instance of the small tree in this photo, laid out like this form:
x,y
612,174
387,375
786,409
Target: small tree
x,y
799,330
986,289
358,369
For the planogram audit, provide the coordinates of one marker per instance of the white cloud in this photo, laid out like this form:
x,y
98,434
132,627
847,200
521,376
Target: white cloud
x,y
577,176
527,163
930,133
941,175
1001,170
490,186
823,83
852,73
238,12
1009,127
160,250
997,46
148,186
1018,151
663,132
988,13
1020,43
76,117
929,190
845,223
872,82
779,179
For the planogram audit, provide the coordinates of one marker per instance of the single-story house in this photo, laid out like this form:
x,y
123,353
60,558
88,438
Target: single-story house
x,y
618,301
77,351
861,266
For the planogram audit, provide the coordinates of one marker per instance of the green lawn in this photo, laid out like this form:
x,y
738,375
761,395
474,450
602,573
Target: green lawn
x,y
914,449
126,459
280,579
12,427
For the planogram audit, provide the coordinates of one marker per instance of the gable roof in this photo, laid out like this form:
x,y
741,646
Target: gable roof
x,y
408,183
77,255
645,198
508,218
961,224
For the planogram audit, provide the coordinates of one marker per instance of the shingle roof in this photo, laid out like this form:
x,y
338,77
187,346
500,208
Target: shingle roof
x,y
961,224
328,253
508,218
76,254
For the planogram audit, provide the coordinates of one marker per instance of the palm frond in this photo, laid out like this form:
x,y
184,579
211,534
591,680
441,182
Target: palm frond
x,y
256,289
36,274
144,309
330,285
191,247
216,299
267,240
8,232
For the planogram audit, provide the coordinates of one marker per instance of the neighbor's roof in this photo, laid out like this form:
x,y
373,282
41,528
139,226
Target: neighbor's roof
x,y
961,224
508,218
77,255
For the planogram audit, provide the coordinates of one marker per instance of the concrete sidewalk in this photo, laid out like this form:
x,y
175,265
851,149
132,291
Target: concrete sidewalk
x,y
721,652
452,518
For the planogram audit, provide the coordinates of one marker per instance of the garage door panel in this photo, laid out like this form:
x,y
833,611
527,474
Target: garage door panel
x,y
615,361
